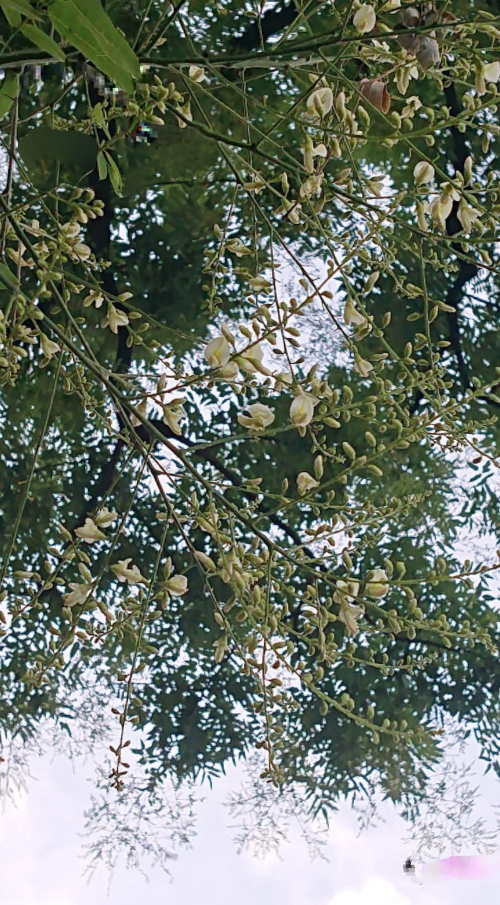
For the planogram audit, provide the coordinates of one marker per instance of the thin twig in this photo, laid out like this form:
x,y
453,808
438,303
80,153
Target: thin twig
x,y
10,172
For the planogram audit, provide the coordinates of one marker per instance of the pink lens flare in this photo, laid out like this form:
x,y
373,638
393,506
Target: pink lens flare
x,y
457,867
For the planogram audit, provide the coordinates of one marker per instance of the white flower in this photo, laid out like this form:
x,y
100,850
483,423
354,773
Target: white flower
x,y
49,348
346,590
352,315
260,284
17,256
310,152
230,566
115,318
34,229
306,482
229,371
177,585
312,186
440,208
105,517
302,410
173,415
90,533
378,585
258,417
294,212
93,298
364,19
423,172
197,74
436,211
362,366
124,572
320,101
81,251
492,72
413,104
256,186
466,214
26,335
78,595
283,379
349,614
217,352
236,247
71,230
205,561
185,111
251,359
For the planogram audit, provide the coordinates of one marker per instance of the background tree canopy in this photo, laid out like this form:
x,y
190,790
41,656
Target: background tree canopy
x,y
250,363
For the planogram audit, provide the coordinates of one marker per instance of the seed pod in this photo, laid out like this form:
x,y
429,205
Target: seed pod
x,y
428,53
375,91
431,16
410,17
409,42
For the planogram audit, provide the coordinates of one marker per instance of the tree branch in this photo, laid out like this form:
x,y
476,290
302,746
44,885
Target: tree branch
x,y
269,24
99,235
467,270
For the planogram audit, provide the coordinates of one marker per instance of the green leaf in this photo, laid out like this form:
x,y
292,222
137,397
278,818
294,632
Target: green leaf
x,y
114,174
99,115
13,8
44,41
13,17
7,278
8,92
88,28
102,167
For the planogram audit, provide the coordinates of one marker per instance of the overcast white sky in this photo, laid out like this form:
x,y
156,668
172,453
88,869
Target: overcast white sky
x,y
41,859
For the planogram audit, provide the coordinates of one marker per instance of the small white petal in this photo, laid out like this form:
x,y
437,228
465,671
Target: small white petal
x,y
217,352
364,19
258,416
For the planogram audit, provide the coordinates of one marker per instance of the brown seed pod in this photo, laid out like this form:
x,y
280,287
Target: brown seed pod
x,y
375,91
410,17
409,42
428,53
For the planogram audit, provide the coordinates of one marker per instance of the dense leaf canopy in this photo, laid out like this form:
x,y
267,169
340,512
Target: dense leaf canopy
x,y
250,353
